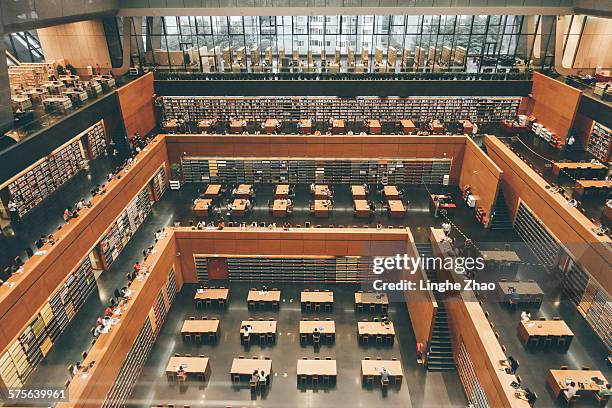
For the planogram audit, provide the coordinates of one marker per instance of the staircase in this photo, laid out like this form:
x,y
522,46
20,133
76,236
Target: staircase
x,y
501,219
440,351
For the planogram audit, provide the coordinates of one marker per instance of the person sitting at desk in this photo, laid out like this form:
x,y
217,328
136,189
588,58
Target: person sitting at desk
x,y
181,373
513,364
108,311
571,391
514,296
40,242
366,188
525,316
385,319
67,214
247,329
312,187
605,392
98,330
384,376
530,396
209,209
316,334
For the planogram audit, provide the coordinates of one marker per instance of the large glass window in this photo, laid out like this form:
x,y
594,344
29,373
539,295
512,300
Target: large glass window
x,y
431,43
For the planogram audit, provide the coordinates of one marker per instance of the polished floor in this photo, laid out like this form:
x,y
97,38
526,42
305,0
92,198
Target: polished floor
x,y
421,388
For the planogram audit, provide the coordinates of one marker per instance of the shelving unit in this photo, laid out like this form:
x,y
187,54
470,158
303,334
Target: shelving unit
x,y
33,344
348,269
469,379
121,231
96,140
38,182
294,170
139,352
159,184
536,236
131,368
600,142
476,109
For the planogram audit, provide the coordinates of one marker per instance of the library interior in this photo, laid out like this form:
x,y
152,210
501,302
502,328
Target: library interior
x,y
203,202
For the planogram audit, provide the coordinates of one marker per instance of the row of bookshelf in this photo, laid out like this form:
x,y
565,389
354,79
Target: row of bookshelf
x,y
476,109
96,140
395,171
324,269
600,142
121,231
132,367
33,344
37,183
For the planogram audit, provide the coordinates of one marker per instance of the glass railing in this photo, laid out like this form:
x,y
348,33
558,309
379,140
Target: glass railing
x,y
319,76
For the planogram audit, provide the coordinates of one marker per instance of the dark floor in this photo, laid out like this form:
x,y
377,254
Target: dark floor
x,y
45,218
421,389
418,389
539,154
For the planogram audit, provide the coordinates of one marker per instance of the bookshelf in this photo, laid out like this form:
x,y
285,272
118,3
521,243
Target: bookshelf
x,y
131,368
297,170
465,369
600,142
159,184
139,352
348,269
95,139
36,183
476,109
36,340
125,226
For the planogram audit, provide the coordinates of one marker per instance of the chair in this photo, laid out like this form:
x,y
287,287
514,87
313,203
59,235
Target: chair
x,y
365,338
533,342
200,377
601,401
369,380
563,341
198,303
315,380
384,384
198,338
548,341
571,400
271,338
372,307
303,338
187,337
303,379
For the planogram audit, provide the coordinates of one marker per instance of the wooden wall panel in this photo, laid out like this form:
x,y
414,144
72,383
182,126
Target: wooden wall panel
x,y
421,305
482,174
468,323
81,44
43,274
320,147
592,252
111,349
136,102
554,104
583,126
298,242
